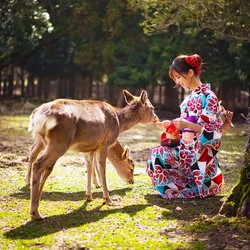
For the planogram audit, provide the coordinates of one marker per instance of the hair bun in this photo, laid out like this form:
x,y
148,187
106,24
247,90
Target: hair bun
x,y
195,62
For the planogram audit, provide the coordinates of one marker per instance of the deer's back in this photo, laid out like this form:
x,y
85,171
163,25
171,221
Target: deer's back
x,y
88,124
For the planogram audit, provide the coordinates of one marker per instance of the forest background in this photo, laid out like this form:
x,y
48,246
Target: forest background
x,y
94,49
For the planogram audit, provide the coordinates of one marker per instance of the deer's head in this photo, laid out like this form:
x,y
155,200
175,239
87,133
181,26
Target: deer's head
x,y
141,106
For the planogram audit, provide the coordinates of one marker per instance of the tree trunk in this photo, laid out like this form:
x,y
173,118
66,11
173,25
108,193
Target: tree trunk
x,y
40,87
114,95
228,97
23,94
248,96
31,87
90,88
151,90
1,90
11,81
5,84
238,201
72,87
62,87
46,88
171,97
79,86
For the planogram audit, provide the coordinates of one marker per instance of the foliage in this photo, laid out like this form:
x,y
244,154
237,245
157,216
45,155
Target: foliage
x,y
22,26
226,19
103,40
217,30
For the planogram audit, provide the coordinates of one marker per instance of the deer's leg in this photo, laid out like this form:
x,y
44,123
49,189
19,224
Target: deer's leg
x,y
34,152
96,174
44,177
94,178
41,169
101,157
89,164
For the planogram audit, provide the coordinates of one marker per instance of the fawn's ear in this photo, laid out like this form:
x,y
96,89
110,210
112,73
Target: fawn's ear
x,y
125,154
128,96
143,96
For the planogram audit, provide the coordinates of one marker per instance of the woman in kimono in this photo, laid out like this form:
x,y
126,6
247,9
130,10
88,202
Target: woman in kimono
x,y
191,168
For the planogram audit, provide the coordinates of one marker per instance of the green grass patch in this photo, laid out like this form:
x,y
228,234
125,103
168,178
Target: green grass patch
x,y
139,219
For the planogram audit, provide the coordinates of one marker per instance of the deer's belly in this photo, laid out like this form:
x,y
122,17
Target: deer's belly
x,y
84,147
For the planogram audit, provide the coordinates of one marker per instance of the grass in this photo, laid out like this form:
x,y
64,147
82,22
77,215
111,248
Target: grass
x,y
140,218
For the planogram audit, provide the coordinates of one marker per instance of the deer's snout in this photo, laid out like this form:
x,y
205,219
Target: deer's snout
x,y
156,120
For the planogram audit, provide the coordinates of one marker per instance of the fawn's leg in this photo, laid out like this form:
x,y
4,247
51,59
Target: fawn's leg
x,y
89,164
96,174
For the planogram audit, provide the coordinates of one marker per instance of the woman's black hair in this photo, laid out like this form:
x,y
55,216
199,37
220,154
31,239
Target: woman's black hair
x,y
183,63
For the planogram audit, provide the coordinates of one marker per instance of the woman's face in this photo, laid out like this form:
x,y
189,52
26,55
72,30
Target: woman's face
x,y
183,80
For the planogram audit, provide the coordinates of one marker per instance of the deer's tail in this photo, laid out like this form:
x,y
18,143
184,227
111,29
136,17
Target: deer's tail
x,y
40,121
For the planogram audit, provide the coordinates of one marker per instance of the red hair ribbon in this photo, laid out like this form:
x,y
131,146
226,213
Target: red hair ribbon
x,y
194,63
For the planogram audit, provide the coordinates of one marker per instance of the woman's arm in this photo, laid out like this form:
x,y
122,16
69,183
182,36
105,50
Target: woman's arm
x,y
182,123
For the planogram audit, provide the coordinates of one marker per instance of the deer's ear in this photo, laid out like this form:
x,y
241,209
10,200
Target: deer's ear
x,y
128,96
125,154
144,96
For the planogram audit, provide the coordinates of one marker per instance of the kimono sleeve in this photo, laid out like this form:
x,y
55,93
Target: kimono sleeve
x,y
210,121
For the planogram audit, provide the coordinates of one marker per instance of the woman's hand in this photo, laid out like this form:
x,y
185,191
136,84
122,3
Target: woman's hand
x,y
227,121
162,125
180,123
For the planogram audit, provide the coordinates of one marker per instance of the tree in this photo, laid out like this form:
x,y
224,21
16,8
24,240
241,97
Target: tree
x,y
221,30
22,26
227,19
101,41
238,202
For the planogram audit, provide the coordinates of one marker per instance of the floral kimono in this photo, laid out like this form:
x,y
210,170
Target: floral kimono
x,y
191,169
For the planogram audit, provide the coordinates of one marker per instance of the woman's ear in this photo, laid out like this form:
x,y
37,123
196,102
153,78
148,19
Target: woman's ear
x,y
190,73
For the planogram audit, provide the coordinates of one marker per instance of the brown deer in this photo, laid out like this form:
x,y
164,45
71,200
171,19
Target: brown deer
x,y
85,126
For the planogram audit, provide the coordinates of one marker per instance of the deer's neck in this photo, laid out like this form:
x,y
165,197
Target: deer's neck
x,y
128,117
115,151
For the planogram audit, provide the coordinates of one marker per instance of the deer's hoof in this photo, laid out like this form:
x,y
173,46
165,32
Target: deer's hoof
x,y
89,197
36,216
27,181
108,201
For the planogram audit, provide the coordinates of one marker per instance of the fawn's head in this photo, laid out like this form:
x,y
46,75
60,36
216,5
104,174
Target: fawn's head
x,y
125,166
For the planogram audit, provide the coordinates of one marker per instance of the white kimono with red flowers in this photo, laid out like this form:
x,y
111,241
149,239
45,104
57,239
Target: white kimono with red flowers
x,y
191,169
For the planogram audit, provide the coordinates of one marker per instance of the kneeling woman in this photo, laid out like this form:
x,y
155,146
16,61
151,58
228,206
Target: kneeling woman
x,y
190,169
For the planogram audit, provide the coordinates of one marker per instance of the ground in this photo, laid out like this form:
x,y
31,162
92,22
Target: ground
x,y
140,219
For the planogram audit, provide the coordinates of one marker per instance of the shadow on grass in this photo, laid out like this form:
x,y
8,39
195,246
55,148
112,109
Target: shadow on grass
x,y
24,193
199,222
76,218
196,218
186,209
181,209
